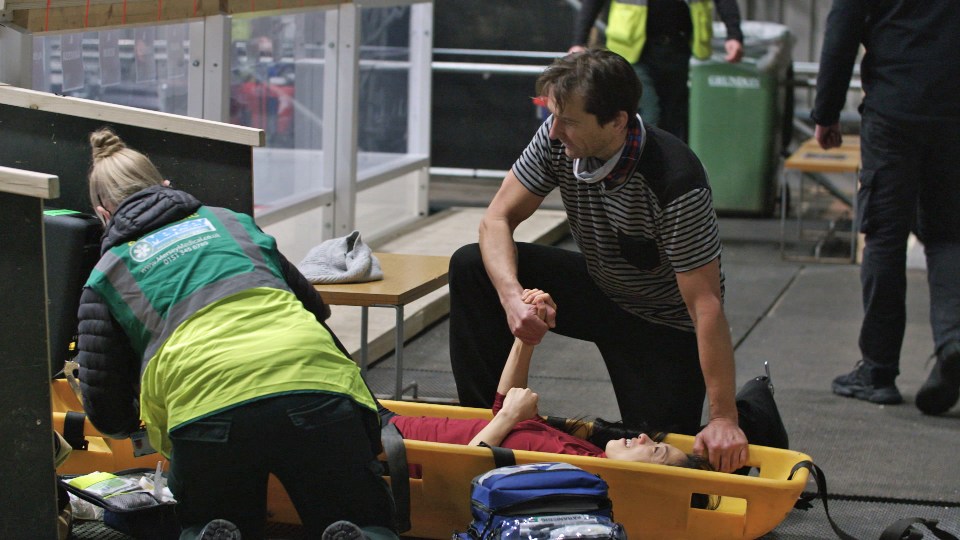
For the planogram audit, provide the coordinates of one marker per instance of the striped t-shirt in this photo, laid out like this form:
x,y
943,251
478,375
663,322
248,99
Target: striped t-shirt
x,y
636,236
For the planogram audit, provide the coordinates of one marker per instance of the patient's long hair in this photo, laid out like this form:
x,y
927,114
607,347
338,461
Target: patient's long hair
x,y
599,432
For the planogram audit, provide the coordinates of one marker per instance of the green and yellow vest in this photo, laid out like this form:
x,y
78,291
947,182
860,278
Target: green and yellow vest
x,y
204,305
627,28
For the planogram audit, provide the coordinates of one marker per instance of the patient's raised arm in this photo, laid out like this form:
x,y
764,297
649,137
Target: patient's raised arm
x,y
517,368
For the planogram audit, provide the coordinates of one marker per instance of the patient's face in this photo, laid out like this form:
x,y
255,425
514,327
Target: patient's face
x,y
644,450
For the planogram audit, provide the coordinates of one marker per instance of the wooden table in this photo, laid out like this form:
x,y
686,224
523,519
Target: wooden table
x,y
405,278
810,158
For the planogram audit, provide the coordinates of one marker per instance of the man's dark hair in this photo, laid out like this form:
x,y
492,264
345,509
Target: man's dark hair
x,y
606,82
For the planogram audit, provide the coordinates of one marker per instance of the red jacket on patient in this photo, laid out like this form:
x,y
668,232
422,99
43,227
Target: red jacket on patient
x,y
533,434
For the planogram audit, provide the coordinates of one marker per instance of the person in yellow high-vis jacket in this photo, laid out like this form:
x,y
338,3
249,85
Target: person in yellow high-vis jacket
x,y
658,37
195,325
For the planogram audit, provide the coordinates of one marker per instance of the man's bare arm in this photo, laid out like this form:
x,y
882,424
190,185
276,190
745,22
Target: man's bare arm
x,y
512,204
721,440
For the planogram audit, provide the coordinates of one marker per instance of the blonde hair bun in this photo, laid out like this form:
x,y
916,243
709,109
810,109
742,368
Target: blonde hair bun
x,y
117,171
105,143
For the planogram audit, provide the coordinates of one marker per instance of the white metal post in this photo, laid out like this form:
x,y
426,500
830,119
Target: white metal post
x,y
348,99
16,57
195,70
331,53
421,57
216,68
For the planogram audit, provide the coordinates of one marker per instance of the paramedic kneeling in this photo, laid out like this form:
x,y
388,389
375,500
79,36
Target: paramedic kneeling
x,y
193,322
646,287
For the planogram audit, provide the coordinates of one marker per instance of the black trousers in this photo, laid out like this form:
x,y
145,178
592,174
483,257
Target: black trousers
x,y
322,447
655,369
910,181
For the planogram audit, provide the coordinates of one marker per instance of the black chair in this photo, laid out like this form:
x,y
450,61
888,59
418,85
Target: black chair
x,y
72,244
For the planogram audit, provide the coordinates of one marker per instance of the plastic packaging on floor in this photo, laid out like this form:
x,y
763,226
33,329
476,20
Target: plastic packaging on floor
x,y
651,501
84,510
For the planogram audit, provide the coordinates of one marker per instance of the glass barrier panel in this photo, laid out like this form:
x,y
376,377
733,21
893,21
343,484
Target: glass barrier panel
x,y
277,73
143,67
384,87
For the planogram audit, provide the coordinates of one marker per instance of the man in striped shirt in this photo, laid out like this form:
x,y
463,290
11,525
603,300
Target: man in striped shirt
x,y
646,287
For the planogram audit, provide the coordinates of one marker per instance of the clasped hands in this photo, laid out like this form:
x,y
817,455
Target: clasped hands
x,y
531,315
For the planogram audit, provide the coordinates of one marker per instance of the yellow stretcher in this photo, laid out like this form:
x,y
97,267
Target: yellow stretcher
x,y
102,453
651,501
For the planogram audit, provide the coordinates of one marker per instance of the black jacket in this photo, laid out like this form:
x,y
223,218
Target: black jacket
x,y
911,68
109,368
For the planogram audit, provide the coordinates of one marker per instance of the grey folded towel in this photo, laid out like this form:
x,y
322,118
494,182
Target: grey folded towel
x,y
341,260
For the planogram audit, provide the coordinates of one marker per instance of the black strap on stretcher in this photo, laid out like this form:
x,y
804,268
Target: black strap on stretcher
x,y
900,530
73,430
399,472
502,457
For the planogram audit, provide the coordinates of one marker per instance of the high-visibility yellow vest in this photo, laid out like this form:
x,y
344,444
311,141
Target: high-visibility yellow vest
x,y
627,28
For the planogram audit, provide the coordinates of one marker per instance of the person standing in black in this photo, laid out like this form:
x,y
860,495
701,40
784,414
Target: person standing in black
x,y
909,181
658,37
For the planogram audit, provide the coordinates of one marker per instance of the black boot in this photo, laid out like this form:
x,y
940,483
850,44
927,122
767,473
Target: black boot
x,y
942,389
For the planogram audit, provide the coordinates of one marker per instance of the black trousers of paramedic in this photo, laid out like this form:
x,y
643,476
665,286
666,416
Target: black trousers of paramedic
x,y
655,369
322,447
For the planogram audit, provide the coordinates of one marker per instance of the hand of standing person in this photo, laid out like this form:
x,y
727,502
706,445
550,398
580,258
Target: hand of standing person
x,y
828,136
734,51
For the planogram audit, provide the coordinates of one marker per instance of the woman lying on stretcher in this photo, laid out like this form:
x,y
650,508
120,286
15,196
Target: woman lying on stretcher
x,y
517,424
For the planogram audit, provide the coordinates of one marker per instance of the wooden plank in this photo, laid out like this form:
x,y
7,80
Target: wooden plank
x,y
112,14
405,278
33,184
17,5
233,7
132,116
809,157
39,17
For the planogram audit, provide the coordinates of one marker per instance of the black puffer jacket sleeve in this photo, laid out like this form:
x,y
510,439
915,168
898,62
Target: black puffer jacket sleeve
x,y
109,370
304,290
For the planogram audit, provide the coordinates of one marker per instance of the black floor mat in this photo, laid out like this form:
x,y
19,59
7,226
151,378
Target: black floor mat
x,y
861,519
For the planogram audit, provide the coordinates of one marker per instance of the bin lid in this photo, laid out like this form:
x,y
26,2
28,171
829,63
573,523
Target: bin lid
x,y
754,32
766,44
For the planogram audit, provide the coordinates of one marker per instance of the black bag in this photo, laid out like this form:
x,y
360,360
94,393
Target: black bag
x,y
759,416
126,508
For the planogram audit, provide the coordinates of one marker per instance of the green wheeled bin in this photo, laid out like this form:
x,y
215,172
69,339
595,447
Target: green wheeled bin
x,y
737,115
